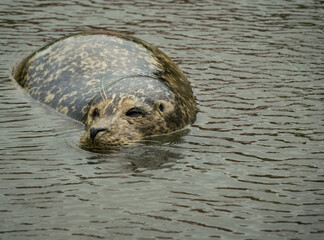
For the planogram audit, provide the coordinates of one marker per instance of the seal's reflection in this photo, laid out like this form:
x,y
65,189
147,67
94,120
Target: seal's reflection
x,y
152,153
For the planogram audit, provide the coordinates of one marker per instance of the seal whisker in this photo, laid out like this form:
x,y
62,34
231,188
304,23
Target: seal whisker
x,y
103,89
102,96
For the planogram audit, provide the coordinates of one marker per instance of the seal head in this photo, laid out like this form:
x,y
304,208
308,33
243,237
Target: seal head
x,y
130,110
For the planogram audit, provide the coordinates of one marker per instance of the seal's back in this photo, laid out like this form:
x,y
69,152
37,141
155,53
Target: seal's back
x,y
68,73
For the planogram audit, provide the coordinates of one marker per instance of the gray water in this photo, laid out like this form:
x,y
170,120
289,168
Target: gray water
x,y
251,167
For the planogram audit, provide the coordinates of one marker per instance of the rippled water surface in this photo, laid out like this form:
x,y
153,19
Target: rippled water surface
x,y
251,167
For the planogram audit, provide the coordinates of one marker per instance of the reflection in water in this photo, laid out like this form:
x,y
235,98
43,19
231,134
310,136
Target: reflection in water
x,y
251,167
150,153
138,157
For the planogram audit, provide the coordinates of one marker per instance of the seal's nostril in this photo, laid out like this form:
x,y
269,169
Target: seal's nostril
x,y
95,131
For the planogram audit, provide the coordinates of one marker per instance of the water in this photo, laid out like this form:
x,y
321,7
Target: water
x,y
251,167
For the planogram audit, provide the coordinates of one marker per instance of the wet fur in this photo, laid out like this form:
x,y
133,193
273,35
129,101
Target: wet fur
x,y
112,72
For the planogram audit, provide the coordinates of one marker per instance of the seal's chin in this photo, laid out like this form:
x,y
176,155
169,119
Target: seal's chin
x,y
108,140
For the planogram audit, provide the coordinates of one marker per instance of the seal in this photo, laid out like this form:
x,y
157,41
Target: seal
x,y
121,88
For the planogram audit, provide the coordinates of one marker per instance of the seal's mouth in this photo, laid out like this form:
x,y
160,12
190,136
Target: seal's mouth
x,y
107,142
102,139
100,146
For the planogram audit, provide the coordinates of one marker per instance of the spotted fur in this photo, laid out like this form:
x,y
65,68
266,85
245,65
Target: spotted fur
x,y
108,74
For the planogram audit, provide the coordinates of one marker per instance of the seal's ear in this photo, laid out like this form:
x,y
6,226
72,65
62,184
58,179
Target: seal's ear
x,y
163,106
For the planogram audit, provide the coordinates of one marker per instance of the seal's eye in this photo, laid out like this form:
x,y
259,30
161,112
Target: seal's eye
x,y
135,112
95,113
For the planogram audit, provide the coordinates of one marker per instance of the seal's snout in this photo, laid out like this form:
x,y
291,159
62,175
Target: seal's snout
x,y
95,131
